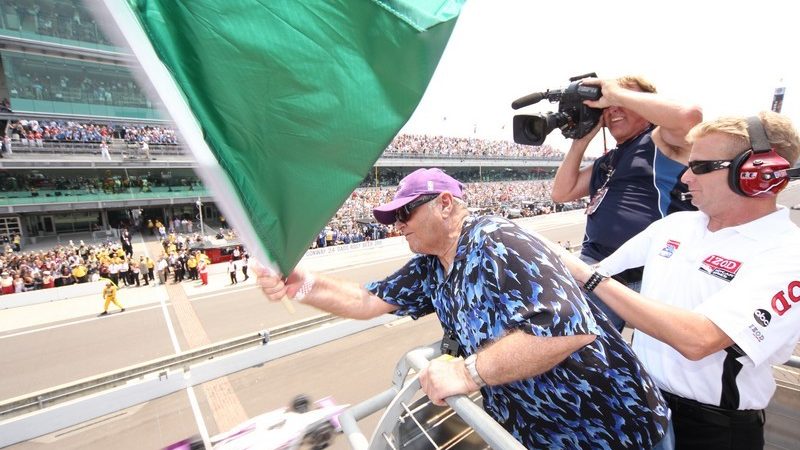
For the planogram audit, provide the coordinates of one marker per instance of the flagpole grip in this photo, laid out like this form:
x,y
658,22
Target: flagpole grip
x,y
288,305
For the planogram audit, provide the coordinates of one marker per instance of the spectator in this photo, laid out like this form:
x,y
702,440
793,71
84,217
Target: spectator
x,y
202,268
244,261
6,283
232,271
104,151
47,280
163,269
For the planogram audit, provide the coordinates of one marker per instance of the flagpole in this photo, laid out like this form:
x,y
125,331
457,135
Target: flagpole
x,y
777,97
130,32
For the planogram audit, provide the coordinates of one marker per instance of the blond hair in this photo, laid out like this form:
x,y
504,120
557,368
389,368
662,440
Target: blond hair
x,y
637,82
781,133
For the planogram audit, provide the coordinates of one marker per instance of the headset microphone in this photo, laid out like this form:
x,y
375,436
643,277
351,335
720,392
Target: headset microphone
x,y
686,196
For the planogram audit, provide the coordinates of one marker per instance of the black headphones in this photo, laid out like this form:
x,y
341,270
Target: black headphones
x,y
758,171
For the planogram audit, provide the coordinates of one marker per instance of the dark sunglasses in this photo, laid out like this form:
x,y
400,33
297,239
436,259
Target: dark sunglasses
x,y
404,212
699,167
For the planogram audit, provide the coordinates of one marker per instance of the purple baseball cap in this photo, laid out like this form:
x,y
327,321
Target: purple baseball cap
x,y
417,183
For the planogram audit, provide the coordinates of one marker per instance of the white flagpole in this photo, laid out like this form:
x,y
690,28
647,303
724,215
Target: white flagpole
x,y
777,98
156,75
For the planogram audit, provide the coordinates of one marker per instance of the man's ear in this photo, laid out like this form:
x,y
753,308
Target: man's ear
x,y
447,201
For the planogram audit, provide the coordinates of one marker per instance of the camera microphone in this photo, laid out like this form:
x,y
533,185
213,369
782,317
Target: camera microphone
x,y
529,99
686,196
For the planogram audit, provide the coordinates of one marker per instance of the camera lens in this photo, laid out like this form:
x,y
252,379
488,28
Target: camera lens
x,y
536,129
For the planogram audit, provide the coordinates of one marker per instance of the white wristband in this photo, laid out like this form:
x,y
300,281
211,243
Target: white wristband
x,y
308,285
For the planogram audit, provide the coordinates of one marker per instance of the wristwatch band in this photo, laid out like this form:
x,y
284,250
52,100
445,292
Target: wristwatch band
x,y
594,281
308,285
470,364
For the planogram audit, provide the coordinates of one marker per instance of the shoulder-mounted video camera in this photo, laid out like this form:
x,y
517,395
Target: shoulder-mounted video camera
x,y
574,118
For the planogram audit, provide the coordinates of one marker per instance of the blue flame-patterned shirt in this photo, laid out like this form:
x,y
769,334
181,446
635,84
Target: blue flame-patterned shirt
x,y
504,279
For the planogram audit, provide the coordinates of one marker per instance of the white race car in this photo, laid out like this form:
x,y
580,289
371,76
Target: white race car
x,y
282,429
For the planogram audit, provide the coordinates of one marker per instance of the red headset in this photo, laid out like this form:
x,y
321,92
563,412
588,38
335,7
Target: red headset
x,y
758,171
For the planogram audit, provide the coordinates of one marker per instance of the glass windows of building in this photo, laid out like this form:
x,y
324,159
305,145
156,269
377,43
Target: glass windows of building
x,y
23,186
45,84
77,221
10,226
66,22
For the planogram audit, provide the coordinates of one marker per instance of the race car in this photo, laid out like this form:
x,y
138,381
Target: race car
x,y
294,427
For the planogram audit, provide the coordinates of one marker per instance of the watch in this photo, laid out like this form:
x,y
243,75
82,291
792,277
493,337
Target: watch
x,y
469,363
597,277
308,285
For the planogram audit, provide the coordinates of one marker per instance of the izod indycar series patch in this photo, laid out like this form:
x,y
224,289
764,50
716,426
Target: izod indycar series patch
x,y
720,267
669,249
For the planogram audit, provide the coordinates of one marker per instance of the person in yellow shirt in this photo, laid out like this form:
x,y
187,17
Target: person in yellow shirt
x,y
191,264
79,272
150,268
110,296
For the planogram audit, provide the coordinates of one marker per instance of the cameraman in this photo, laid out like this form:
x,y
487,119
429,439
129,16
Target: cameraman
x,y
635,183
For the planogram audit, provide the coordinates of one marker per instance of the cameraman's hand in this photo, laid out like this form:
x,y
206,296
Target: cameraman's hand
x,y
584,141
609,88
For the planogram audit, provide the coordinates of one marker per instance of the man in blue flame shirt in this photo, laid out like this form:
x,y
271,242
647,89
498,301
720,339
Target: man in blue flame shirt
x,y
550,373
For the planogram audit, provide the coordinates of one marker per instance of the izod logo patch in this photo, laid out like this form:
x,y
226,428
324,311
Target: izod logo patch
x,y
720,267
669,248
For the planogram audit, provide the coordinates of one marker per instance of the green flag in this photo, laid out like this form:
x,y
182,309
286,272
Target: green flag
x,y
297,99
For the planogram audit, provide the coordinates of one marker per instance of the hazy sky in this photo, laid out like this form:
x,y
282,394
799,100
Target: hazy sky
x,y
726,56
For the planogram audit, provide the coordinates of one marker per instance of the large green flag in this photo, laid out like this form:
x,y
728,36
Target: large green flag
x,y
297,99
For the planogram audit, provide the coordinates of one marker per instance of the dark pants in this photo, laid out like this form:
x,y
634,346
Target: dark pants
x,y
704,427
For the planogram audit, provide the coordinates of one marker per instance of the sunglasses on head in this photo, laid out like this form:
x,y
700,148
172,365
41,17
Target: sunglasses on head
x,y
404,212
699,167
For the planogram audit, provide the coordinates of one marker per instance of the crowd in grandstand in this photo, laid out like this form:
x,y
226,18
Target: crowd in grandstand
x,y
78,263
63,265
75,263
421,145
36,133
353,221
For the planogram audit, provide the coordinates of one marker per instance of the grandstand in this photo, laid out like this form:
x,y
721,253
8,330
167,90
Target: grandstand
x,y
61,113
68,96
66,90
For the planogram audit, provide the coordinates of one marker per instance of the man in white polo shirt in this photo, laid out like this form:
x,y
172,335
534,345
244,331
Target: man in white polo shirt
x,y
720,298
